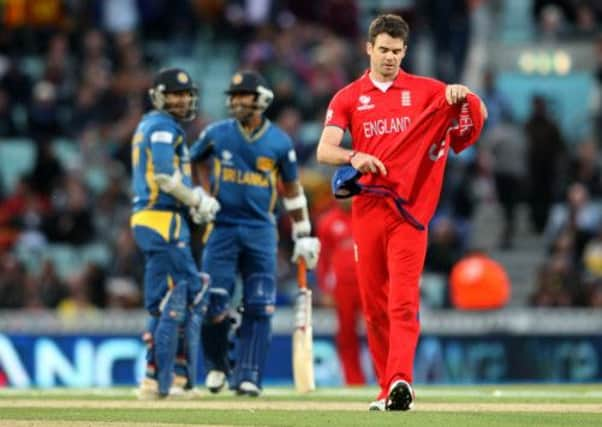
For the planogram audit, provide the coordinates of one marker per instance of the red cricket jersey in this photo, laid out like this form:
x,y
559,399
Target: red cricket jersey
x,y
409,127
336,265
375,118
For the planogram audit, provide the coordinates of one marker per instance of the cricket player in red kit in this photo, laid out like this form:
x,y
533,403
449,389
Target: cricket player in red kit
x,y
379,108
337,277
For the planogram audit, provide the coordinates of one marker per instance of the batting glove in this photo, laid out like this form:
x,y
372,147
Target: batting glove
x,y
206,208
307,248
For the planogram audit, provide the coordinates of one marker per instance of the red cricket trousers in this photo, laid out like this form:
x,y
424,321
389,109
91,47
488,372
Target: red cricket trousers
x,y
390,256
348,310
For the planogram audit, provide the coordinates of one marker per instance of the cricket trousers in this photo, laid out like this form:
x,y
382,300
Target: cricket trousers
x,y
390,257
348,311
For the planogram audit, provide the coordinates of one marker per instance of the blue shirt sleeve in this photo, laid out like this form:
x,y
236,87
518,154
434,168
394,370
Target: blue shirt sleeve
x,y
287,163
162,141
203,146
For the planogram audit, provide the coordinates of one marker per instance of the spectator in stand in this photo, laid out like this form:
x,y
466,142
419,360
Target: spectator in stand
x,y
78,302
16,83
71,220
60,69
578,217
112,205
21,212
552,23
85,111
584,168
497,102
554,282
594,295
45,289
128,261
43,114
341,16
545,151
8,127
12,278
48,170
450,23
508,146
290,121
122,293
586,26
445,247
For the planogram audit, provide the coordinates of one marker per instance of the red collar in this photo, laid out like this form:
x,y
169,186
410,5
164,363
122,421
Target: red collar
x,y
367,84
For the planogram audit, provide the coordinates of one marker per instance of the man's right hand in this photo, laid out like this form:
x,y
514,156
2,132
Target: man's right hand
x,y
205,210
366,163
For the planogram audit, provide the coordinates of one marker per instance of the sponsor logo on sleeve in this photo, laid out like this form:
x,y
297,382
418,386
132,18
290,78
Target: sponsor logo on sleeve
x,y
162,137
365,104
292,156
437,151
465,121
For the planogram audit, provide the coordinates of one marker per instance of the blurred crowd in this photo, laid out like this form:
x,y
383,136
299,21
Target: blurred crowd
x,y
77,72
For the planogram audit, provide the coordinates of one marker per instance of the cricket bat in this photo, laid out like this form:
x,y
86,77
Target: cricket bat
x,y
303,355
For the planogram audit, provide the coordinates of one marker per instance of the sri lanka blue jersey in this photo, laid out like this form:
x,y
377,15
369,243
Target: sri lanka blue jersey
x,y
245,169
158,147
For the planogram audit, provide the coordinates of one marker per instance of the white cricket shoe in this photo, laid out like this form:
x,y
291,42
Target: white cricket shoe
x,y
401,396
148,389
377,405
247,388
215,381
178,390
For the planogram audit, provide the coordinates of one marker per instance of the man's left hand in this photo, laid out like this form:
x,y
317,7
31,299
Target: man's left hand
x,y
206,209
456,94
307,248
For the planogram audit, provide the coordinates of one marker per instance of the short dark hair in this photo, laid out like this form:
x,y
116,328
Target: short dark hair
x,y
393,25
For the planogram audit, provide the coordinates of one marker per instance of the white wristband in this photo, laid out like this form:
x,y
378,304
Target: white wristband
x,y
301,228
294,203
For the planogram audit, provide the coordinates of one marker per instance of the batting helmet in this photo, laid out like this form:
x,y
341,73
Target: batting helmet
x,y
250,82
172,80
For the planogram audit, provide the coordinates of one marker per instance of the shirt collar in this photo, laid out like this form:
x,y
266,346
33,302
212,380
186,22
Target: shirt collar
x,y
256,133
367,84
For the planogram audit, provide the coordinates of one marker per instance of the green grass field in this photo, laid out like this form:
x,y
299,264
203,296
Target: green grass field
x,y
519,405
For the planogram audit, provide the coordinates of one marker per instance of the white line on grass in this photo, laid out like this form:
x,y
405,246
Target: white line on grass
x,y
547,391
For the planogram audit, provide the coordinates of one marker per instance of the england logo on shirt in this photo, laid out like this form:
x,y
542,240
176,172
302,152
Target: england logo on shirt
x,y
406,99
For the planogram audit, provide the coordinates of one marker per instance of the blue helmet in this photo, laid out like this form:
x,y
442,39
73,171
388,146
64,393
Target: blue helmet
x,y
174,80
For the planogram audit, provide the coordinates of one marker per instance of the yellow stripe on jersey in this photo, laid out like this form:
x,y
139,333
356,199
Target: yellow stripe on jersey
x,y
170,283
159,221
137,139
149,177
186,169
217,175
207,233
273,181
178,226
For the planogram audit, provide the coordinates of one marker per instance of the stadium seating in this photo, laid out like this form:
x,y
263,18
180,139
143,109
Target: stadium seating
x,y
67,151
18,157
